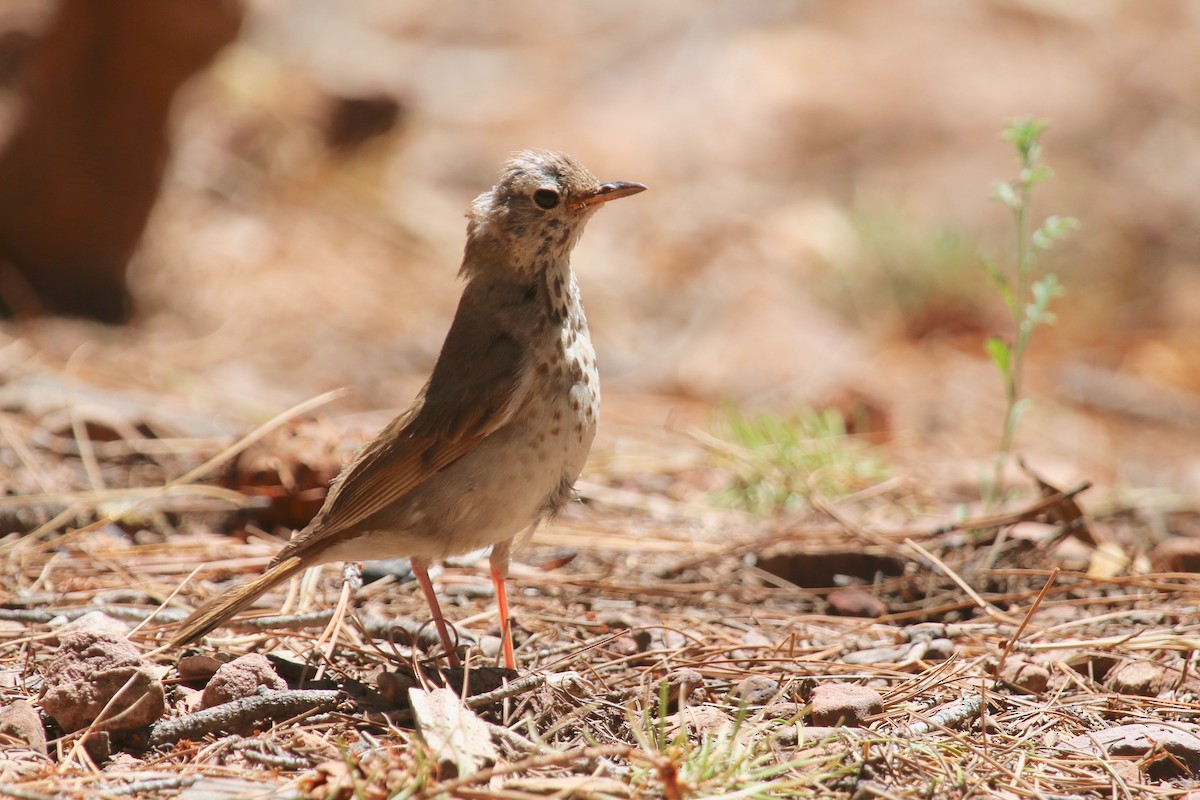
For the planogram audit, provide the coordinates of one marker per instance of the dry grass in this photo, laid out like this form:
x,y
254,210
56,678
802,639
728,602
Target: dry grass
x,y
616,604
804,242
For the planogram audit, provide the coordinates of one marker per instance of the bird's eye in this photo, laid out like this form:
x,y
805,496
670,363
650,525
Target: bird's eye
x,y
546,198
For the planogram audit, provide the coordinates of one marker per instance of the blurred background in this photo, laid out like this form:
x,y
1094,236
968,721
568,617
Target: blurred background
x,y
279,189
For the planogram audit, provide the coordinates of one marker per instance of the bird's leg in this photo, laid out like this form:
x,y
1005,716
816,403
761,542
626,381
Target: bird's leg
x,y
420,568
499,563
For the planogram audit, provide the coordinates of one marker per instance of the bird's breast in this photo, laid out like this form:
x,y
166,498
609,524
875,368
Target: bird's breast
x,y
564,404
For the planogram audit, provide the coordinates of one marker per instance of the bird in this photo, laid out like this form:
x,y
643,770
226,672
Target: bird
x,y
496,439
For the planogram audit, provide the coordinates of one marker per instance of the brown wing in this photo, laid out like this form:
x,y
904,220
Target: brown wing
x,y
479,380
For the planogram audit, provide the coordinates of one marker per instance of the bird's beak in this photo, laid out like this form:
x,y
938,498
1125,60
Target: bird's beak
x,y
609,191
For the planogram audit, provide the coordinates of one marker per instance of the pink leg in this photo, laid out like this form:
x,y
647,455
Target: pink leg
x,y
420,568
499,563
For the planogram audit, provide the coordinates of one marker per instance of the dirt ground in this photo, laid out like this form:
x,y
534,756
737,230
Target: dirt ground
x,y
807,263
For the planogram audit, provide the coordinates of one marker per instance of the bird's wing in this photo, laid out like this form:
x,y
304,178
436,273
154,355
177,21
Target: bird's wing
x,y
481,378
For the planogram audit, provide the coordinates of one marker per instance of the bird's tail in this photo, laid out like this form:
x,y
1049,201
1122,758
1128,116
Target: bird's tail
x,y
224,606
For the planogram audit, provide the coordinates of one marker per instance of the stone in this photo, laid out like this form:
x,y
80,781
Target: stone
x,y
1025,675
20,720
682,684
97,622
1177,746
90,670
757,690
848,704
1141,678
853,601
240,678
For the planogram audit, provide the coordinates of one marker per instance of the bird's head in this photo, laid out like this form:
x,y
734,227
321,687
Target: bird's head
x,y
537,210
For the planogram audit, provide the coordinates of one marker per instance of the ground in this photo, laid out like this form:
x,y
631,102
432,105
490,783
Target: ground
x,y
793,488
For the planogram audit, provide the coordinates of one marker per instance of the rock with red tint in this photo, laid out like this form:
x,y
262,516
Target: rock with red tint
x,y
94,670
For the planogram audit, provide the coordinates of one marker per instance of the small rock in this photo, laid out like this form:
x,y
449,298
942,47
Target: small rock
x,y
682,684
241,678
96,622
757,690
186,699
92,668
892,654
938,649
853,601
677,640
490,646
629,644
197,667
754,638
1177,745
844,704
1029,677
1141,678
21,721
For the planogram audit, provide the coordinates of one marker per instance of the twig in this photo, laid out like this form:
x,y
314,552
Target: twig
x,y
515,739
950,716
519,686
304,619
1037,601
40,616
25,794
275,760
351,583
1012,517
142,788
247,713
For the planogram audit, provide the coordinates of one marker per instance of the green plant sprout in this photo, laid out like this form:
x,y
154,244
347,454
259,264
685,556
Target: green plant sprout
x,y
777,461
1027,298
737,761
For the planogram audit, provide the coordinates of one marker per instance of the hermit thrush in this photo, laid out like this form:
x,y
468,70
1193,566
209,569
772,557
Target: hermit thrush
x,y
496,439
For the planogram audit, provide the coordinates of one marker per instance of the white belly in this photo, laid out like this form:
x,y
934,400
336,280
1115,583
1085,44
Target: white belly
x,y
516,476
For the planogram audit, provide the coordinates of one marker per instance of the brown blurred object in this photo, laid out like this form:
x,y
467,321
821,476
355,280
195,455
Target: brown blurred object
x,y
82,170
291,467
1065,511
354,121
